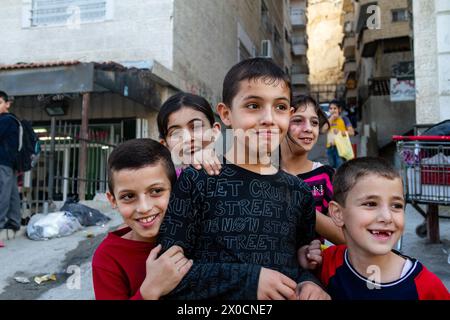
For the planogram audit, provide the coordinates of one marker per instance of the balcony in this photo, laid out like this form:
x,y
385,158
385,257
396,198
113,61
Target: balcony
x,y
298,17
299,49
299,79
299,45
349,46
353,93
350,66
376,87
300,68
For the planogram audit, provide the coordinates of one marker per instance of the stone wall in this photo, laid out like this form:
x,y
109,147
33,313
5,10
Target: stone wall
x,y
325,33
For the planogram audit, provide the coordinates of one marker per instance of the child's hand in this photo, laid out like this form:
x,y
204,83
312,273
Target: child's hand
x,y
207,159
310,256
274,285
308,290
164,273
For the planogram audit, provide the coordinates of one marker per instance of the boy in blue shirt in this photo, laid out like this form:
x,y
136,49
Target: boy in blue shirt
x,y
10,215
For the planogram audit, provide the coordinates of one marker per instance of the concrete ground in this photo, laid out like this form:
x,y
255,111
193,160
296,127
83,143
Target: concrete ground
x,y
436,257
69,258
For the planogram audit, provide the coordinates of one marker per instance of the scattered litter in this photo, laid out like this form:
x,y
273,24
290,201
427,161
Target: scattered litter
x,y
52,225
22,280
86,216
89,235
45,278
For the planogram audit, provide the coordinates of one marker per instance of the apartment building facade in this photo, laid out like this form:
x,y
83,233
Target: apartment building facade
x,y
186,45
299,40
379,68
104,67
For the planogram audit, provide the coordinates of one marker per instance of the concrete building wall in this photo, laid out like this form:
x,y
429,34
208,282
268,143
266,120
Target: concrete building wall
x,y
384,118
385,61
196,41
387,28
200,54
432,59
207,35
325,33
139,30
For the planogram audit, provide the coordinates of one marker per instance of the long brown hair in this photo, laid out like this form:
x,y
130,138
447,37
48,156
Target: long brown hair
x,y
303,101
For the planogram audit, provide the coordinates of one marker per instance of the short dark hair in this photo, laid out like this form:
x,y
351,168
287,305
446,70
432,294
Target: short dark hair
x,y
350,172
178,101
337,103
137,154
302,101
252,69
4,96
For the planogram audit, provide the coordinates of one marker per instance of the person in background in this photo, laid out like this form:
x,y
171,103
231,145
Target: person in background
x,y
338,125
304,130
10,215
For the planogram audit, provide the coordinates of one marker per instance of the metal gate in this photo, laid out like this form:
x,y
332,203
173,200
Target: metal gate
x,y
56,176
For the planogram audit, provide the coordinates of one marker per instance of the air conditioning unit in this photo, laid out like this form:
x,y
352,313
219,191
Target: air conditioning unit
x,y
266,49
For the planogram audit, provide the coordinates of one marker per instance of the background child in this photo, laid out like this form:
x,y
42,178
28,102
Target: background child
x,y
369,207
304,129
187,126
338,125
125,265
244,226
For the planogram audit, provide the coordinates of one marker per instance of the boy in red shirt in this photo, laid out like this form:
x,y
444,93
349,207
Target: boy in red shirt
x,y
125,265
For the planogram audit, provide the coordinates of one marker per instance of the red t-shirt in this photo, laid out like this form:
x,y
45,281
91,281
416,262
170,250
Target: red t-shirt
x,y
118,267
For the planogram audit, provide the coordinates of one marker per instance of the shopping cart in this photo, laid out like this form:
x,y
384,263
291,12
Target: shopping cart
x,y
425,165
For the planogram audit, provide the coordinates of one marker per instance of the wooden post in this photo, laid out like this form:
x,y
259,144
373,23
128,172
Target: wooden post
x,y
51,161
433,223
83,146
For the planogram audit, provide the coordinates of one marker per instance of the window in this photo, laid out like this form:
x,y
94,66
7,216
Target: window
x,y
265,20
278,47
399,15
243,52
68,12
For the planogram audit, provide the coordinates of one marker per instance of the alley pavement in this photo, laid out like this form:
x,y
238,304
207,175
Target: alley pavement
x,y
69,259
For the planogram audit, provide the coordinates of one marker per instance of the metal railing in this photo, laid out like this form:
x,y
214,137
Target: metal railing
x,y
38,186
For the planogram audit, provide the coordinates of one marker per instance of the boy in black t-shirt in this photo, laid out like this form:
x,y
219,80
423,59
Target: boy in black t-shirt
x,y
243,227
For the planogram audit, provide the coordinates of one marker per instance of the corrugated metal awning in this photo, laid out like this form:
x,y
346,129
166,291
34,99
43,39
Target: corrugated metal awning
x,y
68,77
37,65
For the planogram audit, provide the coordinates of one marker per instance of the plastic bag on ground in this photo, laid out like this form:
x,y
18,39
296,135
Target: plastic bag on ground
x,y
52,225
86,216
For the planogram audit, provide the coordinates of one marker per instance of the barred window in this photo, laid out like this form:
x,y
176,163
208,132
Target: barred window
x,y
63,12
399,15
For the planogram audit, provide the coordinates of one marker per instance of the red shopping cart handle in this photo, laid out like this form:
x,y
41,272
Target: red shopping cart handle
x,y
421,138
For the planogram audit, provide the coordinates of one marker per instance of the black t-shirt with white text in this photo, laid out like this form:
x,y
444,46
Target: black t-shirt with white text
x,y
233,224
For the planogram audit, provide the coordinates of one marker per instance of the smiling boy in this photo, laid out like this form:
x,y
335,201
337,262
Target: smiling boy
x,y
243,227
369,206
125,266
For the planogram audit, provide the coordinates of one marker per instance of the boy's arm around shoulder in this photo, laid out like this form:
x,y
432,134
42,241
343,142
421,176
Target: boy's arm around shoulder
x,y
305,230
182,227
181,224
